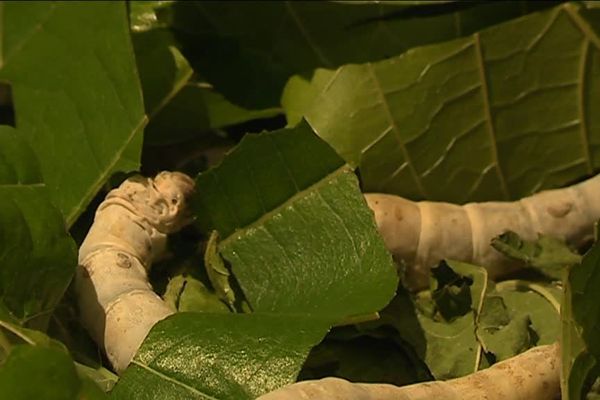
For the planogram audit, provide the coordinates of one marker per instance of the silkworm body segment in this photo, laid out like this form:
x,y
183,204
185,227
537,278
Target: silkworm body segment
x,y
117,303
423,233
532,375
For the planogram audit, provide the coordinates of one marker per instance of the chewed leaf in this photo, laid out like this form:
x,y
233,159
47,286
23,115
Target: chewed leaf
x,y
548,254
460,333
500,333
541,302
450,292
453,349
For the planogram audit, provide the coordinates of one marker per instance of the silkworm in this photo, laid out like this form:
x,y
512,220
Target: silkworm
x,y
423,233
532,375
129,232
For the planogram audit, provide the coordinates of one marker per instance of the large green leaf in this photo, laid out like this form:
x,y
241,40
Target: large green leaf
x,y
290,213
248,50
37,256
219,356
76,93
580,345
497,115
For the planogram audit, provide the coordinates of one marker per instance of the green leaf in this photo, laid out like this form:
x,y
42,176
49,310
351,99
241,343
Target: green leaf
x,y
249,50
580,323
290,213
185,293
216,270
500,333
76,93
37,255
32,372
194,110
32,234
219,356
103,379
461,120
43,363
179,106
452,346
18,162
452,332
451,292
163,69
541,302
547,253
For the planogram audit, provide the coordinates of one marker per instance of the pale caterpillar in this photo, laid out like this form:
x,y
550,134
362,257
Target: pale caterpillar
x,y
423,233
117,303
532,375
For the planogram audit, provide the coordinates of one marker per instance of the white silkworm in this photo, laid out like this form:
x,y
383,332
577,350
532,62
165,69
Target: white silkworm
x,y
533,375
423,233
117,303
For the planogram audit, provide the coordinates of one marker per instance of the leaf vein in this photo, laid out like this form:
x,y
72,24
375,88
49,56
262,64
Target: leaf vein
x,y
395,129
488,114
581,106
306,35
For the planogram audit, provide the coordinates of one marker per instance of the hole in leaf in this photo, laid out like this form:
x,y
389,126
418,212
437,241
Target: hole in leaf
x,y
7,110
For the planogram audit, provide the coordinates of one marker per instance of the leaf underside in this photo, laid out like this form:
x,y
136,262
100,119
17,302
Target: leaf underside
x,y
462,120
249,50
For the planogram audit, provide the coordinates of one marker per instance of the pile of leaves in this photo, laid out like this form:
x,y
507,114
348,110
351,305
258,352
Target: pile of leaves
x,y
286,112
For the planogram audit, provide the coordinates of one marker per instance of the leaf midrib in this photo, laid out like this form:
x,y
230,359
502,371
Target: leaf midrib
x,y
394,126
487,111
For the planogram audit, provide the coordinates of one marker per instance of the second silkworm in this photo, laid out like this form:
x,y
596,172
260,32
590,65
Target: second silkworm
x,y
423,233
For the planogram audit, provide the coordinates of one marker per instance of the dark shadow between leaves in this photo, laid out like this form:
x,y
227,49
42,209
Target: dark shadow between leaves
x,y
7,110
